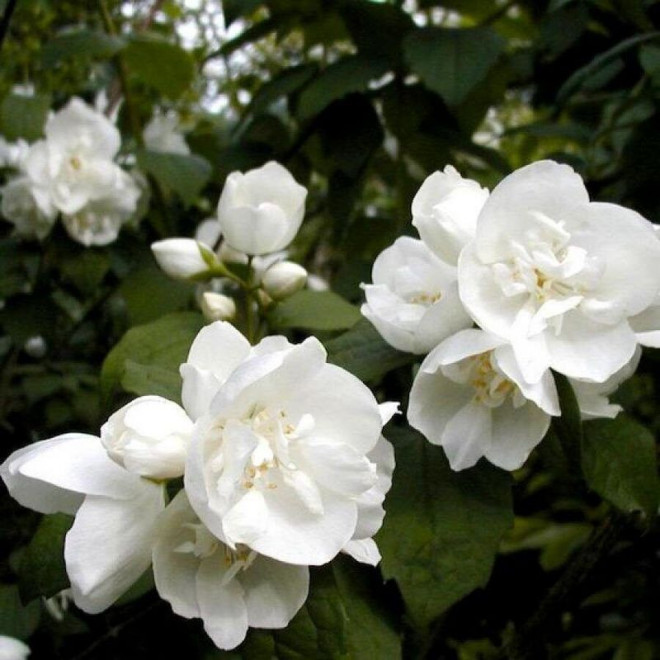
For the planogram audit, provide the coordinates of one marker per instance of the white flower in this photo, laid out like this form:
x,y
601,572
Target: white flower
x,y
75,161
550,272
13,649
469,397
261,211
229,589
283,279
413,302
99,221
445,211
12,154
162,134
647,324
593,398
183,258
149,436
217,306
109,545
32,215
278,459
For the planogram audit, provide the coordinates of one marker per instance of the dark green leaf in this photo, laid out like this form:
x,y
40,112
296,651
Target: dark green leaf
x,y
619,463
166,67
145,379
185,175
24,116
42,571
452,61
256,32
568,426
233,9
363,352
442,528
162,345
77,43
315,310
283,84
15,619
350,74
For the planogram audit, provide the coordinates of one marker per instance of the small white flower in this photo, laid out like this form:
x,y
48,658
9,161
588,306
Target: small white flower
x,y
162,134
217,306
445,211
278,460
31,213
549,271
283,279
12,154
469,396
413,301
183,258
13,649
229,589
261,211
109,545
149,436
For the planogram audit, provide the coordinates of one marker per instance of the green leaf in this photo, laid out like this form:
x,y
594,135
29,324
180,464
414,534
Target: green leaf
x,y
24,116
350,74
42,571
233,9
315,310
166,67
451,61
185,175
156,348
362,351
284,83
17,620
77,43
568,426
619,463
443,528
144,379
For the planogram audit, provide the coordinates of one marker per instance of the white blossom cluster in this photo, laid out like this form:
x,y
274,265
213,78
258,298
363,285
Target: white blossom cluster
x,y
503,288
259,214
280,454
71,174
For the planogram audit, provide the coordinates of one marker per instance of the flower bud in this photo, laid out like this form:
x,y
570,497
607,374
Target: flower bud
x,y
261,211
183,258
217,306
283,279
149,437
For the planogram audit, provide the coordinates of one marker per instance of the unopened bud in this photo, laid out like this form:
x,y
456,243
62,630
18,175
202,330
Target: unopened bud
x,y
183,258
218,307
283,279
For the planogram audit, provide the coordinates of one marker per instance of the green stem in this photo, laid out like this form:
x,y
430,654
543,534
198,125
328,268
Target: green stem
x,y
250,320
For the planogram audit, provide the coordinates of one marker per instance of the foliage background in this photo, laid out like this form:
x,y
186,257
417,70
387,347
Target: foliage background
x,y
360,100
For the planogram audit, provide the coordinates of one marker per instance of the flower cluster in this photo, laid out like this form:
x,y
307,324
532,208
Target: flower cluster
x,y
259,214
71,172
544,275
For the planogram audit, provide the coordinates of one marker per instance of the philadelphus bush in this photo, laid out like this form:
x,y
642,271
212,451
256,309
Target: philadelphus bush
x,y
71,172
544,275
281,455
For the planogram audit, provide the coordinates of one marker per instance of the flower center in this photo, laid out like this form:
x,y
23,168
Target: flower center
x,y
425,298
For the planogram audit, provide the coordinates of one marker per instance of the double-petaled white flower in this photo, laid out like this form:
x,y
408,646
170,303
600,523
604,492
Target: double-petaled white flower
x,y
549,271
471,398
230,589
279,459
109,545
413,301
261,211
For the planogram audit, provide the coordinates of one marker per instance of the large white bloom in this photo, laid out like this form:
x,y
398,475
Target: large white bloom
x,y
445,211
13,649
162,134
75,160
278,460
413,301
550,271
109,545
261,211
469,396
229,589
32,214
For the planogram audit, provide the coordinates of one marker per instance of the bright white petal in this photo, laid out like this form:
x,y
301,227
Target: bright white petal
x,y
363,550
